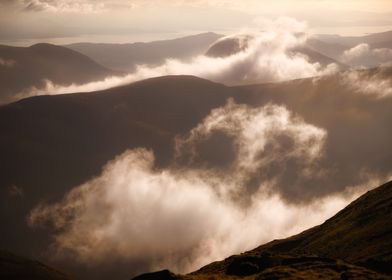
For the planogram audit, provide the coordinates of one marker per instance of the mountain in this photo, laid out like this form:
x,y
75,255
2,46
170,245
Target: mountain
x,y
351,41
19,268
125,57
50,144
334,46
233,44
356,243
332,50
22,68
383,44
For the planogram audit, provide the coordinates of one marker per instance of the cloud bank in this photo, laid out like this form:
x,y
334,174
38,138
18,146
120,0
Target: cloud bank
x,y
267,58
74,6
363,55
375,83
182,217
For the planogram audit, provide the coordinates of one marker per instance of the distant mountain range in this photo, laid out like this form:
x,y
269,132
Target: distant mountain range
x,y
324,49
25,68
354,244
125,57
381,40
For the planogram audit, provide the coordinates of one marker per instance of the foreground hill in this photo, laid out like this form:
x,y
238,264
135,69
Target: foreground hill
x,y
353,244
22,68
126,56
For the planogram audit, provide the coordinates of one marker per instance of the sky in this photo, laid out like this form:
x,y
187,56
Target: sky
x,y
24,22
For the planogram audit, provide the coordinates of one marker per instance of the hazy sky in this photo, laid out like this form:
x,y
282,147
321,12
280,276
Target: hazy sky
x,y
61,21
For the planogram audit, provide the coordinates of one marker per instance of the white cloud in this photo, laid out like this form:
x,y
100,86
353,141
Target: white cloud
x,y
184,218
376,82
267,58
255,129
364,56
78,6
355,52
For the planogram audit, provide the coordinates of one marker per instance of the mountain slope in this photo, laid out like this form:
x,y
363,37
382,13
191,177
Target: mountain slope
x,y
18,268
23,68
50,144
126,56
361,233
332,50
351,41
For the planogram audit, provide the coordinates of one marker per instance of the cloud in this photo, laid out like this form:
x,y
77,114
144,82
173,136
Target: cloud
x,y
267,58
355,52
182,217
363,56
270,138
375,82
78,6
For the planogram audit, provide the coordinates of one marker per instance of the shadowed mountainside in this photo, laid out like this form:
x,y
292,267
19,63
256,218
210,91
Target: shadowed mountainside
x,y
126,56
353,244
25,67
51,144
13,267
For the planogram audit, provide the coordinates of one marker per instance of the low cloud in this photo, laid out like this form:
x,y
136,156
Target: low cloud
x,y
375,82
267,58
76,6
363,55
183,216
269,140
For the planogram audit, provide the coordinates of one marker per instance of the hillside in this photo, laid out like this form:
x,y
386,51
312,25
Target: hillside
x,y
84,131
50,144
19,268
353,244
125,57
27,67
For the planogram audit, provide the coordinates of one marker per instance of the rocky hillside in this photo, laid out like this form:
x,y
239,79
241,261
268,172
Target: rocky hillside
x,y
354,244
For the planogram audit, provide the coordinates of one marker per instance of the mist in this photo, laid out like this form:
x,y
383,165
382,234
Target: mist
x,y
267,58
184,216
375,83
363,55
